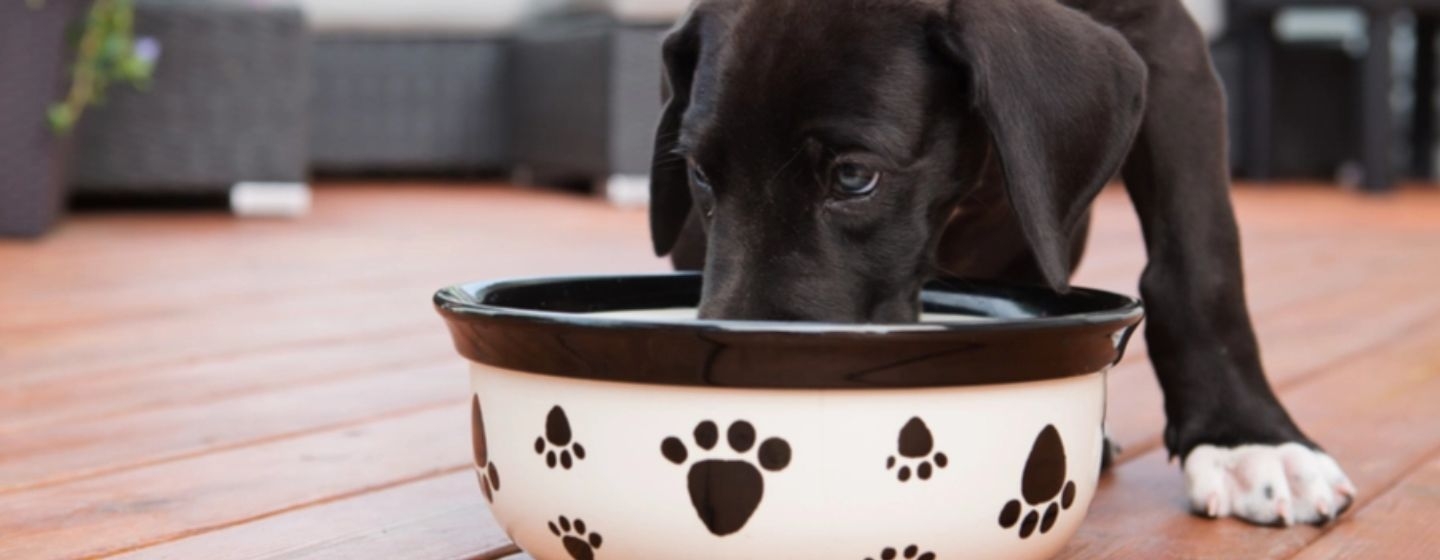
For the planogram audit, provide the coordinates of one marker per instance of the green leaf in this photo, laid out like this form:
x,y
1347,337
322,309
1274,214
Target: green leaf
x,y
62,119
114,47
105,54
133,70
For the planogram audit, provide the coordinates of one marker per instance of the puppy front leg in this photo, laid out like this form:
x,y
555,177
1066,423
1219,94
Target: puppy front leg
x,y
1242,454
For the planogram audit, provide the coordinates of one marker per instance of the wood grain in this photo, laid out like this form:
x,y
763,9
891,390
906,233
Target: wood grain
x,y
157,503
1374,413
437,518
1298,344
34,405
74,450
1401,523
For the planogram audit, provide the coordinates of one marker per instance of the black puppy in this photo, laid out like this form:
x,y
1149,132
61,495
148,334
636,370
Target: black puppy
x,y
821,159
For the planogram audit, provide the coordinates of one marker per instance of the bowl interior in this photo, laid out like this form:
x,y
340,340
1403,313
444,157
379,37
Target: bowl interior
x,y
671,298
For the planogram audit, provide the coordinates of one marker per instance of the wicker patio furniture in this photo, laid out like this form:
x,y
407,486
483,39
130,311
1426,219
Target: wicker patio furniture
x,y
411,86
227,104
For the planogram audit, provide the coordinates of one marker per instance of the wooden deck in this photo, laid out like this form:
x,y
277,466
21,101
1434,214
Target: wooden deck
x,y
195,386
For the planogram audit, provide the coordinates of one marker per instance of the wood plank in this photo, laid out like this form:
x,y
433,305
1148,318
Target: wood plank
x,y
323,297
1285,267
72,355
132,390
440,518
1295,345
131,295
141,507
348,230
1401,523
1375,414
1275,291
73,450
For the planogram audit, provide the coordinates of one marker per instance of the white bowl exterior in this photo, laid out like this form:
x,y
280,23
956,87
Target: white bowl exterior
x,y
835,499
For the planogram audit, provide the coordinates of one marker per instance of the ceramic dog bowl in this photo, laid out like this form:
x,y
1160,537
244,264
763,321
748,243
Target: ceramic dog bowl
x,y
607,424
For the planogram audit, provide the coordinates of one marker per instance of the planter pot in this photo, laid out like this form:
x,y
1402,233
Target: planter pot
x,y
34,68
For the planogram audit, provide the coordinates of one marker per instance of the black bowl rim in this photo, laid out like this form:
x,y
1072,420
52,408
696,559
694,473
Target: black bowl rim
x,y
1075,333
469,299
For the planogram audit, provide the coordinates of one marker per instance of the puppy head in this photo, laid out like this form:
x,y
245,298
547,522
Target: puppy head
x,y
824,145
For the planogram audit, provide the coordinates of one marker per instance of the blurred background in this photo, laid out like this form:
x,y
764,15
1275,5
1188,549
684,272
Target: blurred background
x,y
177,102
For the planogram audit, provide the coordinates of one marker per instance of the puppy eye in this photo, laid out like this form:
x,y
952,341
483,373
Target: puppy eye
x,y
855,180
698,178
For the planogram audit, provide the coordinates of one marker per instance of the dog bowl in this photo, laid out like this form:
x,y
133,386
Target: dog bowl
x,y
609,423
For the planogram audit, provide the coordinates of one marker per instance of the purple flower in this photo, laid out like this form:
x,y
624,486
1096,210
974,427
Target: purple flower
x,y
147,49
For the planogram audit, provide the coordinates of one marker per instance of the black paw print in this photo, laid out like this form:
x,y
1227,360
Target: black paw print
x,y
1043,481
557,435
726,493
915,445
574,538
484,470
911,552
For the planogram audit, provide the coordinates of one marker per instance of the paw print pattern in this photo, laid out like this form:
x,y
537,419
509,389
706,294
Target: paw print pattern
x,y
726,492
484,470
915,445
912,552
1043,481
556,444
576,539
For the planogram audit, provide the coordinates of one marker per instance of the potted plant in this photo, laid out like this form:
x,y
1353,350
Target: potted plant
x,y
57,57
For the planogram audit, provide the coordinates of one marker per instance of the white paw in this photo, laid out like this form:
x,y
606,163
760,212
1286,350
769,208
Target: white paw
x,y
1267,484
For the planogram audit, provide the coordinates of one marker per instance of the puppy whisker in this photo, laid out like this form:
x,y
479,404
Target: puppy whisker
x,y
665,161
787,163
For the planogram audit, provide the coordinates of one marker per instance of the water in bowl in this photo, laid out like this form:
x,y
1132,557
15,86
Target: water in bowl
x,y
683,314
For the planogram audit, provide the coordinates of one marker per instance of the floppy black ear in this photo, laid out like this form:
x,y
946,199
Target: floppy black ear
x,y
669,178
1062,96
